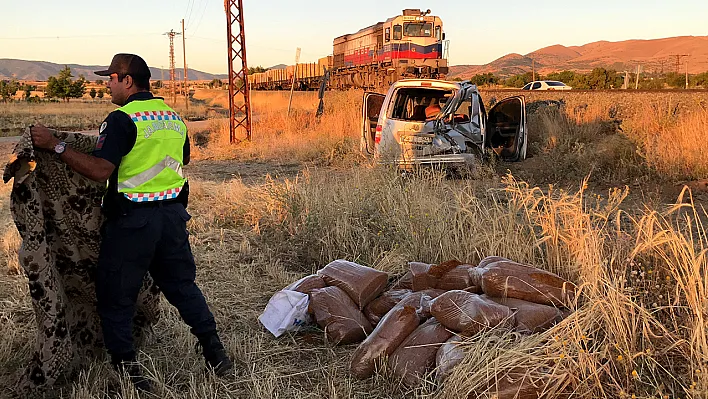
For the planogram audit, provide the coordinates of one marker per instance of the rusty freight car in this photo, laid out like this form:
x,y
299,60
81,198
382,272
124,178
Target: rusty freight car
x,y
409,45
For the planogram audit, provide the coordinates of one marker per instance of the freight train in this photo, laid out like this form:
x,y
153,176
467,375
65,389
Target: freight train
x,y
411,45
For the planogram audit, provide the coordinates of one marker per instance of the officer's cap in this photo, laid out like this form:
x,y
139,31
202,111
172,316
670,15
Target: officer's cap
x,y
126,64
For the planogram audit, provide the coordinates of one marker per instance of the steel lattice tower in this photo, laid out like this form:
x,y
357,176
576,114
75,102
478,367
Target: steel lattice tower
x,y
239,116
171,34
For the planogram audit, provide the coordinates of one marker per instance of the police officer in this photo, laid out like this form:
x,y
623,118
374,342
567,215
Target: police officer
x,y
141,149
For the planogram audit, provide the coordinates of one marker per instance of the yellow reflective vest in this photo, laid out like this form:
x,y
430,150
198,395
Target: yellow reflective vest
x,y
152,170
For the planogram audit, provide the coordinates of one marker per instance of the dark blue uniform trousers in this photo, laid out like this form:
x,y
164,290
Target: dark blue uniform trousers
x,y
153,238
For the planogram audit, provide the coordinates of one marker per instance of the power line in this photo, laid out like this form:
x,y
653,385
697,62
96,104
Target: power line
x,y
206,2
75,36
188,17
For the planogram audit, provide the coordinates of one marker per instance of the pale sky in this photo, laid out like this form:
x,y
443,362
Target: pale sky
x,y
90,32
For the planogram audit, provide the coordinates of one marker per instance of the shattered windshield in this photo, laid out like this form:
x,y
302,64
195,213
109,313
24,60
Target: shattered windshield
x,y
419,104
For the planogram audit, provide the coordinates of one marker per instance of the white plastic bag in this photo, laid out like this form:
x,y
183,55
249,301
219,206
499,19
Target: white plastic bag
x,y
286,311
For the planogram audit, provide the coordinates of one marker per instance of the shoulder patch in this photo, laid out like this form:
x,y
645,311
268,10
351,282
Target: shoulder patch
x,y
103,127
101,140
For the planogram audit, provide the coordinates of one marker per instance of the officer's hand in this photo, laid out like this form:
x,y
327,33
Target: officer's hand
x,y
42,137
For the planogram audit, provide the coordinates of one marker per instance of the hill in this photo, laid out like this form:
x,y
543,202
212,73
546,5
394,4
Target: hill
x,y
653,55
42,70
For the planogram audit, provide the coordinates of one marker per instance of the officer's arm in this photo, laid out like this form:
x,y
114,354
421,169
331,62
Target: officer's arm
x,y
94,168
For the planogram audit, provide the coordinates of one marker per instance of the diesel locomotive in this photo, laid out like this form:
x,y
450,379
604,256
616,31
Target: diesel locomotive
x,y
410,45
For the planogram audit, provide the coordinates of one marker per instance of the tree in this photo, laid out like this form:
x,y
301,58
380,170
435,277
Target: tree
x,y
484,79
519,80
601,78
92,93
258,69
28,89
215,83
157,84
61,86
99,82
100,94
8,89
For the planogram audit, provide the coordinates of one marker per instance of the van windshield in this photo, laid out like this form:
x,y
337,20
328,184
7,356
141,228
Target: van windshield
x,y
419,104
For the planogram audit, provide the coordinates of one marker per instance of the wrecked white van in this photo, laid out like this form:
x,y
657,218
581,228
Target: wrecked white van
x,y
434,122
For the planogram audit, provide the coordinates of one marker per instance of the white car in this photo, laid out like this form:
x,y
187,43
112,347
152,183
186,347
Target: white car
x,y
546,85
434,122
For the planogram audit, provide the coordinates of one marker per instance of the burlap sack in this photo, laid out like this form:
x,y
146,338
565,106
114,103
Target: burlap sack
x,y
404,283
506,279
422,301
338,316
416,355
426,276
529,317
448,357
467,314
518,383
307,284
361,283
489,260
394,327
455,279
378,308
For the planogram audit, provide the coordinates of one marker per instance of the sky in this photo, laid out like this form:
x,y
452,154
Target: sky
x,y
90,32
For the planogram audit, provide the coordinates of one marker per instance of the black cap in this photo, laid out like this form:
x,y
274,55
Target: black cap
x,y
126,64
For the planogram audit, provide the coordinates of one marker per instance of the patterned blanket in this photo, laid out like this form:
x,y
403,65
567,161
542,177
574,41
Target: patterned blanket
x,y
58,215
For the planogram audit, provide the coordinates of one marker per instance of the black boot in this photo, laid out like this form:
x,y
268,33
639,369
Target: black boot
x,y
125,364
215,354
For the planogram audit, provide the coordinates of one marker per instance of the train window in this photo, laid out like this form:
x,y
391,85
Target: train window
x,y
418,29
388,34
397,32
437,32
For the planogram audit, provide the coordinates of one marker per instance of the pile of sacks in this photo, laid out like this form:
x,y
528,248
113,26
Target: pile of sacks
x,y
419,321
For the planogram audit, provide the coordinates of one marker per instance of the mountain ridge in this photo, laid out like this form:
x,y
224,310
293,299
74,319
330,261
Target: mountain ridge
x,y
654,55
11,68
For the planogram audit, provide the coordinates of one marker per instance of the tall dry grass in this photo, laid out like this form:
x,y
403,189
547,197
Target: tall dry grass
x,y
299,137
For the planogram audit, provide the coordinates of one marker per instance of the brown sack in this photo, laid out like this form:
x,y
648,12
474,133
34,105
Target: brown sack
x,y
518,384
448,357
426,275
468,314
456,279
394,327
416,355
505,279
529,317
421,300
404,283
361,283
491,259
338,316
378,308
307,284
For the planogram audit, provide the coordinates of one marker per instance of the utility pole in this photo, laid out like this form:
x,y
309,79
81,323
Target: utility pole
x,y
678,60
533,69
689,57
171,34
238,74
184,57
639,69
292,84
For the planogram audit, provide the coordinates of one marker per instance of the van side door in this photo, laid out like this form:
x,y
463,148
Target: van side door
x,y
506,132
371,109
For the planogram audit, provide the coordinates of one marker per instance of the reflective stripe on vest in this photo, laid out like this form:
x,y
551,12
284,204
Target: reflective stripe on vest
x,y
144,177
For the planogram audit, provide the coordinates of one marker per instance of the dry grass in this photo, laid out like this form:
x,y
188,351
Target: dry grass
x,y
639,326
300,137
63,116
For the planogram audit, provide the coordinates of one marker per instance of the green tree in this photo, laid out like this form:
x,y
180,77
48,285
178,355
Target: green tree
x,y
484,79
99,82
8,89
676,80
92,93
61,86
258,69
215,83
701,80
157,84
28,89
519,80
601,78
100,94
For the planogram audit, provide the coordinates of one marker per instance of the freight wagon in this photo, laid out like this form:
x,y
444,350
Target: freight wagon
x,y
411,45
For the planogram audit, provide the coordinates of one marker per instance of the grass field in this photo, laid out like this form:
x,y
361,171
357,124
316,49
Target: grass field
x,y
615,221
